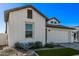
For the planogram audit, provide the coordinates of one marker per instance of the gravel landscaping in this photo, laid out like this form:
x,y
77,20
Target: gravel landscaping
x,y
9,52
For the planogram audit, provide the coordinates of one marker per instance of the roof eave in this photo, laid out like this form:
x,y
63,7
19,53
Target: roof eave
x,y
54,18
61,27
6,13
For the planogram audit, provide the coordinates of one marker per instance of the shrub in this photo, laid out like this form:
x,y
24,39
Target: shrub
x,y
37,44
49,45
23,45
18,45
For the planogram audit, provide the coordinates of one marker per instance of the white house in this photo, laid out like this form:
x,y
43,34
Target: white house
x,y
27,23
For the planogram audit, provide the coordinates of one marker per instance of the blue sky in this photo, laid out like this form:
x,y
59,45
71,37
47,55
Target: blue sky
x,y
68,14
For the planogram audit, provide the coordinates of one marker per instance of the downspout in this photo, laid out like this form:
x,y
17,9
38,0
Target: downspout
x,y
5,20
46,32
6,16
6,27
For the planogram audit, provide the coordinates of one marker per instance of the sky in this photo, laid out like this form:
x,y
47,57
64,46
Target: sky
x,y
66,13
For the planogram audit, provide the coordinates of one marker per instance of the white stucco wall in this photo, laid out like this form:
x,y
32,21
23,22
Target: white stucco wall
x,y
57,35
3,39
16,27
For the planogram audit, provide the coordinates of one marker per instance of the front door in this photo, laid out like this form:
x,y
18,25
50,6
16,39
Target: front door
x,y
76,37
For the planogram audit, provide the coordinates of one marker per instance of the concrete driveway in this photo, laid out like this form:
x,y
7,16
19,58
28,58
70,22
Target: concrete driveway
x,y
71,45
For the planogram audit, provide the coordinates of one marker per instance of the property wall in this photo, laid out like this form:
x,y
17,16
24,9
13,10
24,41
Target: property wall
x,y
3,39
16,27
57,35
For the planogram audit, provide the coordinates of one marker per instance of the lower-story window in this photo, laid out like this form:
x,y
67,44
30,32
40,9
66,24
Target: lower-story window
x,y
28,30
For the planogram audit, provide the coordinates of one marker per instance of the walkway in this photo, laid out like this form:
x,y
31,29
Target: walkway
x,y
71,45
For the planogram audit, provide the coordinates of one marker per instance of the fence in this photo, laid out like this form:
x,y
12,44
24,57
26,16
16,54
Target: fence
x,y
3,39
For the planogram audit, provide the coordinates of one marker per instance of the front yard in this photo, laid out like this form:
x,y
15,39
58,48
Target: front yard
x,y
58,52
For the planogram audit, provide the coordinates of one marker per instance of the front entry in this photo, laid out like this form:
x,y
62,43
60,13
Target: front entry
x,y
76,37
77,34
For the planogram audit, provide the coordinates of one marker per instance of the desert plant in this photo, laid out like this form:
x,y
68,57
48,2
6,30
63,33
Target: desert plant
x,y
23,45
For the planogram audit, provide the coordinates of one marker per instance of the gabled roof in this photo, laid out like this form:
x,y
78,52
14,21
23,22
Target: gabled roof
x,y
53,18
6,13
75,26
60,26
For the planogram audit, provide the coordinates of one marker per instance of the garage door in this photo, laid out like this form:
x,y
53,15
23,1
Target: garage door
x,y
57,36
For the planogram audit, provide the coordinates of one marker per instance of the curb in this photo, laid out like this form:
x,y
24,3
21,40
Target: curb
x,y
35,53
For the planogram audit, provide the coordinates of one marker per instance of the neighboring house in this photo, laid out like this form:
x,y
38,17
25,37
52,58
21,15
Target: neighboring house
x,y
27,23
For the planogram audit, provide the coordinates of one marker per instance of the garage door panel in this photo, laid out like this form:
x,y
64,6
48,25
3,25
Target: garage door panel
x,y
57,36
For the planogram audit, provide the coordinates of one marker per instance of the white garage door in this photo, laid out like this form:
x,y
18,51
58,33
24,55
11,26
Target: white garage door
x,y
57,36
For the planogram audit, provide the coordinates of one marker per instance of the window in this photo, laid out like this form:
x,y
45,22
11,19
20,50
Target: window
x,y
52,22
28,30
29,14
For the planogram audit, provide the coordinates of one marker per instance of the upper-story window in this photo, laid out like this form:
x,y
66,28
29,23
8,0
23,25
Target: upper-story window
x,y
29,14
55,22
52,22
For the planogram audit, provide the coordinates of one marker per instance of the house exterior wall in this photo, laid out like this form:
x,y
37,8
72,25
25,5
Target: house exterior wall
x,y
16,27
57,35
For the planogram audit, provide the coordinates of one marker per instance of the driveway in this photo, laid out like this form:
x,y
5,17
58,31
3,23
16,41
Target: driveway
x,y
71,45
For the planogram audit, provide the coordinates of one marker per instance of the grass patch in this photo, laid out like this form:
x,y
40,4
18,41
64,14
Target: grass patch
x,y
58,52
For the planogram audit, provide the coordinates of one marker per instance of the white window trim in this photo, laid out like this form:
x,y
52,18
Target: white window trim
x,y
33,32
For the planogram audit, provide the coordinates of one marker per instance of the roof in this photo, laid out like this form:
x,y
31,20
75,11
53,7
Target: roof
x,y
75,26
60,26
6,13
54,18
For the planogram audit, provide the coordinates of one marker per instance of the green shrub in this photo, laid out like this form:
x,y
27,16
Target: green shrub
x,y
37,44
18,45
49,45
23,45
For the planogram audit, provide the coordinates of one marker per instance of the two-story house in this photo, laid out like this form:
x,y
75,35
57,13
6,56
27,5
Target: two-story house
x,y
27,23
